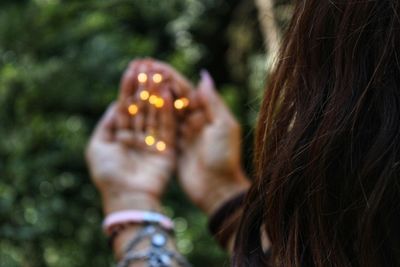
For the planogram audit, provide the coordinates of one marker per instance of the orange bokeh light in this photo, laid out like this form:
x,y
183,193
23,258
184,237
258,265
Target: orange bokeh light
x,y
144,95
142,77
161,146
159,102
133,109
157,78
181,103
149,140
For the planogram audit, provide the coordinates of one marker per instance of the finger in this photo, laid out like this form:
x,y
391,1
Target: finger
x,y
135,78
128,87
185,131
138,119
194,104
122,117
154,102
183,88
186,136
210,99
181,145
150,121
182,105
196,121
138,122
194,101
178,91
135,107
129,83
192,126
166,120
141,99
148,97
106,126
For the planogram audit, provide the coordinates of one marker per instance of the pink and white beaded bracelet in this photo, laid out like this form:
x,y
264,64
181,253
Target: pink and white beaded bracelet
x,y
135,217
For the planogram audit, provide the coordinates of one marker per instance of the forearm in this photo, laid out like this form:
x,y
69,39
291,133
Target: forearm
x,y
225,217
117,201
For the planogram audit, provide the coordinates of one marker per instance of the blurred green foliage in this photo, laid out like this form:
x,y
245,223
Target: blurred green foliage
x,y
60,65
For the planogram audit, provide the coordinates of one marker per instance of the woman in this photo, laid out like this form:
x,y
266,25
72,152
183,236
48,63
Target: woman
x,y
326,190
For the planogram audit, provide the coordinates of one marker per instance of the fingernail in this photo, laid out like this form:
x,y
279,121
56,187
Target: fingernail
x,y
207,79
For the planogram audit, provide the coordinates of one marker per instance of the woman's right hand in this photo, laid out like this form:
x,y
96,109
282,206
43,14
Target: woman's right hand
x,y
209,165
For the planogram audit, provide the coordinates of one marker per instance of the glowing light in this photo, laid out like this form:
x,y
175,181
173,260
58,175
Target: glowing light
x,y
178,104
142,77
161,146
149,140
159,103
133,109
153,99
144,95
181,103
157,78
185,101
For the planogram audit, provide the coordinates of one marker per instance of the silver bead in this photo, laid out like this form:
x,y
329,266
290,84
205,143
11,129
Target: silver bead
x,y
158,240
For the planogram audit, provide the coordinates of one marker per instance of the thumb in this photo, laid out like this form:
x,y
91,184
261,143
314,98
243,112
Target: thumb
x,y
209,96
105,126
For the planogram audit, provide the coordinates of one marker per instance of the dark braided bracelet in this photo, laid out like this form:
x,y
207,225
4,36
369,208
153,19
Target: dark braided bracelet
x,y
222,223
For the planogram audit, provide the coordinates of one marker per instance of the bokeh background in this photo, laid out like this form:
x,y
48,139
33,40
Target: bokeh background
x,y
60,65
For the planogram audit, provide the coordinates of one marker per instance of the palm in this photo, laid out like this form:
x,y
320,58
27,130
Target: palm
x,y
214,154
128,169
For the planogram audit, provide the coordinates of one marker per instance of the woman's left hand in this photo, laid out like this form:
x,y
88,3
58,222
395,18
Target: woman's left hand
x,y
130,171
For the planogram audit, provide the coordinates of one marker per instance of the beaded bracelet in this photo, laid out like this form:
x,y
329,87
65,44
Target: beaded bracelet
x,y
136,216
157,255
116,222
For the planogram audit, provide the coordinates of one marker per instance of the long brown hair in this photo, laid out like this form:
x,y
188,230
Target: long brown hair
x,y
327,159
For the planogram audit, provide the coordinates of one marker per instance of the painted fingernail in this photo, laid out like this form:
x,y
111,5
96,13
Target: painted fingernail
x,y
207,79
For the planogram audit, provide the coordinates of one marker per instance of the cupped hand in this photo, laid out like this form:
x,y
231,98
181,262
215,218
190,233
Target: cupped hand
x,y
131,154
209,165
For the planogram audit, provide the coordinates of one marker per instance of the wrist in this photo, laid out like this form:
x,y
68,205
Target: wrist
x,y
123,241
238,184
116,201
